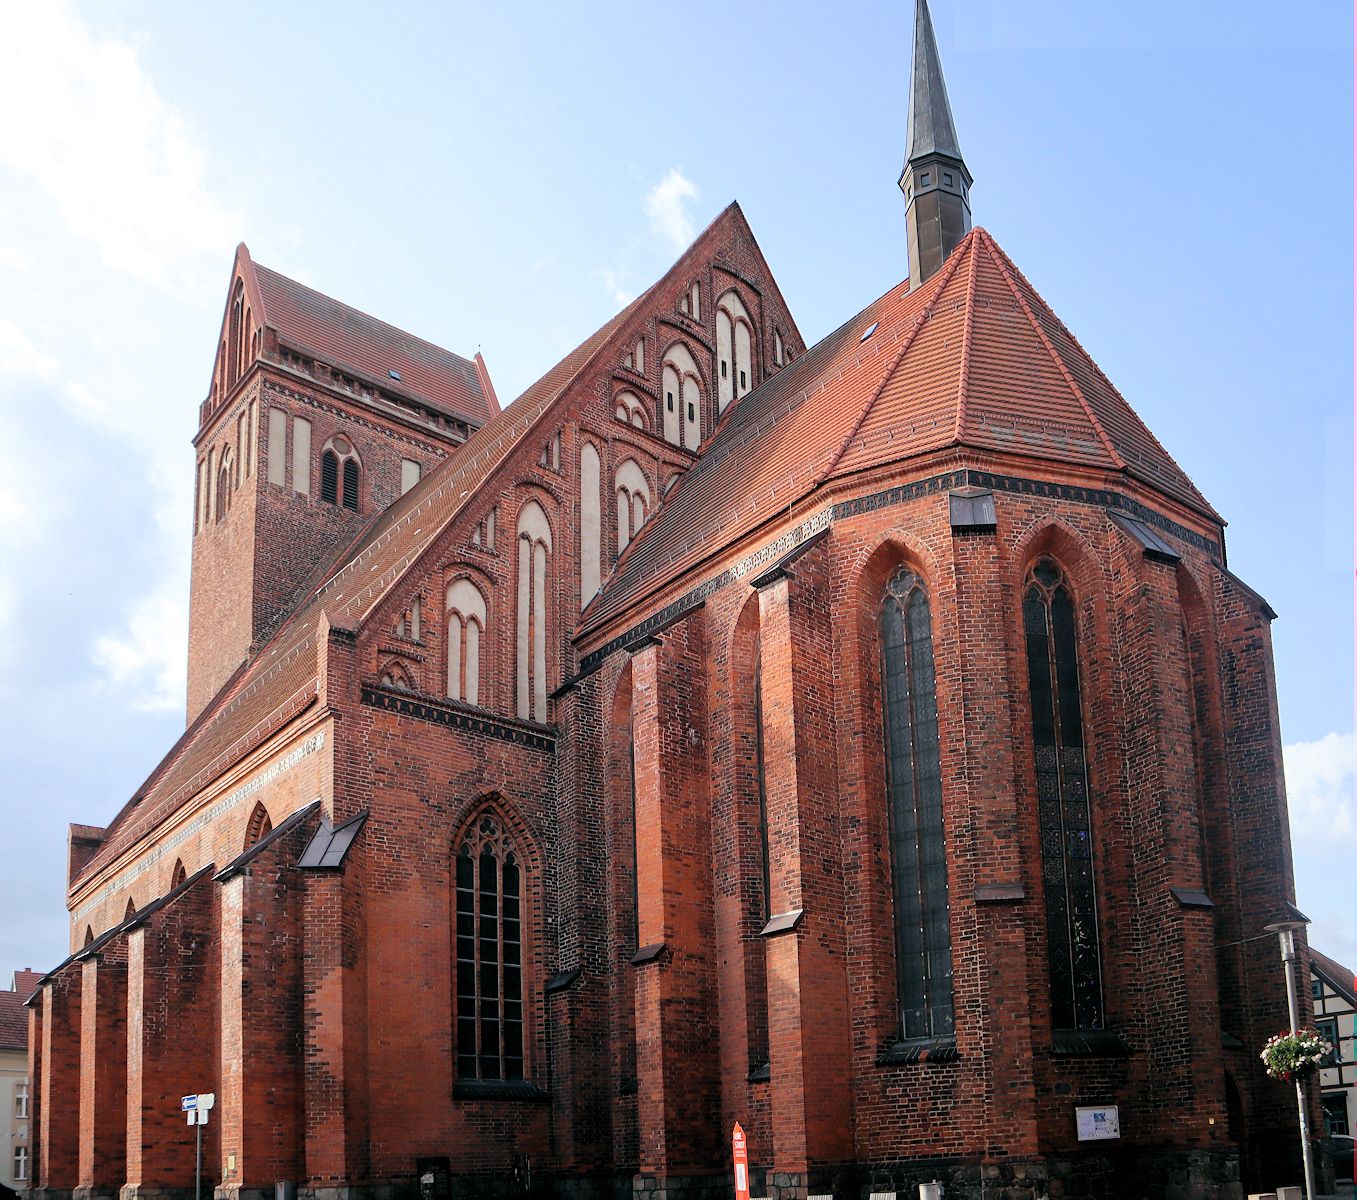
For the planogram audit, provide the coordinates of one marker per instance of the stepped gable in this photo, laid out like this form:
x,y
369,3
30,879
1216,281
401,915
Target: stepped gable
x,y
320,327
973,357
281,681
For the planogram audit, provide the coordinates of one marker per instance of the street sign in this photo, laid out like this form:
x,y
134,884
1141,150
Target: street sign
x,y
739,1151
188,1103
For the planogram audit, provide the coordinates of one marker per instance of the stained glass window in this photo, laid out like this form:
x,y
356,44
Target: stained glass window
x,y
1063,814
923,943
489,943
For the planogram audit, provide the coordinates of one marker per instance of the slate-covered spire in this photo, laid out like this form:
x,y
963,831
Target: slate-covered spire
x,y
935,180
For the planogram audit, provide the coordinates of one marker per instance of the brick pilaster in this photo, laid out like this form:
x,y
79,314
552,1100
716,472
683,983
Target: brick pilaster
x,y
171,1042
677,1102
809,1049
59,1132
103,1070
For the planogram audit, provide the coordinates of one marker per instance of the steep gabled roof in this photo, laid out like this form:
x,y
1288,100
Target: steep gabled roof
x,y
321,327
973,357
13,1021
1335,974
281,681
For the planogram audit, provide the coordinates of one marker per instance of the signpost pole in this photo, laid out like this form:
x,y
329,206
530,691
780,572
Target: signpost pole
x,y
198,1169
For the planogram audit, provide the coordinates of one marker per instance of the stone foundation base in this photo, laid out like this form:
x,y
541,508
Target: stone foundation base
x,y
1114,1173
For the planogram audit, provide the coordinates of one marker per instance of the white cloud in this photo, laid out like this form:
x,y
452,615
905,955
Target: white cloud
x,y
18,355
144,664
621,297
1320,779
664,206
89,128
14,259
1320,792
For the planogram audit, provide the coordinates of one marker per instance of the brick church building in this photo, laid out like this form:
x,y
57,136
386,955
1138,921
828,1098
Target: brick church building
x,y
865,742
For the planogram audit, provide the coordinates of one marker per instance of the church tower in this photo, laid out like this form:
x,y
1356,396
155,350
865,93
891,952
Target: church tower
x,y
317,418
935,180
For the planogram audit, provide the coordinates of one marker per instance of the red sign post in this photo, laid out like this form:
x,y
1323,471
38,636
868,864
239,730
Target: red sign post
x,y
740,1153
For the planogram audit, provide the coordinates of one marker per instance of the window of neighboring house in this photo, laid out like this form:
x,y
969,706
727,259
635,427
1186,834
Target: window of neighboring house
x,y
20,1163
1336,1114
489,943
1064,814
21,1100
1316,988
1328,1030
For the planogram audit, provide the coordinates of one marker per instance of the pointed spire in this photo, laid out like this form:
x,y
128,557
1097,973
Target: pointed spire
x,y
935,179
930,116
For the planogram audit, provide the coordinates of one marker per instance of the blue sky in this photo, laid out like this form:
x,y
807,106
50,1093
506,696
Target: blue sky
x,y
1175,179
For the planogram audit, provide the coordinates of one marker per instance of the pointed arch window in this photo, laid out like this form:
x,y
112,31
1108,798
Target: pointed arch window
x,y
734,350
466,632
179,875
923,941
1063,813
633,502
489,949
340,473
534,558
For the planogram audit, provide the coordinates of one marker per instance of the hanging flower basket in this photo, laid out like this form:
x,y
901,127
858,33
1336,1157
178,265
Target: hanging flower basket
x,y
1296,1055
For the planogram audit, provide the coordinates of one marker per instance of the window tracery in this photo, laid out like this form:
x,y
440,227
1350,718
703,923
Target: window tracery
x,y
489,952
1063,812
914,802
340,472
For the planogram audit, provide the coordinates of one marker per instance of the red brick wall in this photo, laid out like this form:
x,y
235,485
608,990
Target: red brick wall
x,y
173,1014
103,1069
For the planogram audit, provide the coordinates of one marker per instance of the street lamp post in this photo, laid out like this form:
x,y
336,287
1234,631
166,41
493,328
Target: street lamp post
x,y
1286,932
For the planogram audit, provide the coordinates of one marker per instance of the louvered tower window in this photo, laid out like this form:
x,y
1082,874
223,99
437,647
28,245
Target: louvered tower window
x,y
923,942
489,942
1062,800
351,484
329,477
340,473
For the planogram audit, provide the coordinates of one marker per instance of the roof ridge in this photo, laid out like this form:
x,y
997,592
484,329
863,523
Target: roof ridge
x,y
1093,362
367,316
964,381
944,277
1059,362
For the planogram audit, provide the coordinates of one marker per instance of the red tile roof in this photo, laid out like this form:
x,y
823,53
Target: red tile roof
x,y
13,1021
324,328
973,357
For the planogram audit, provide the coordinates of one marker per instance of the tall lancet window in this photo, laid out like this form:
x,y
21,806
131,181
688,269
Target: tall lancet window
x,y
534,557
489,946
923,941
1062,800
